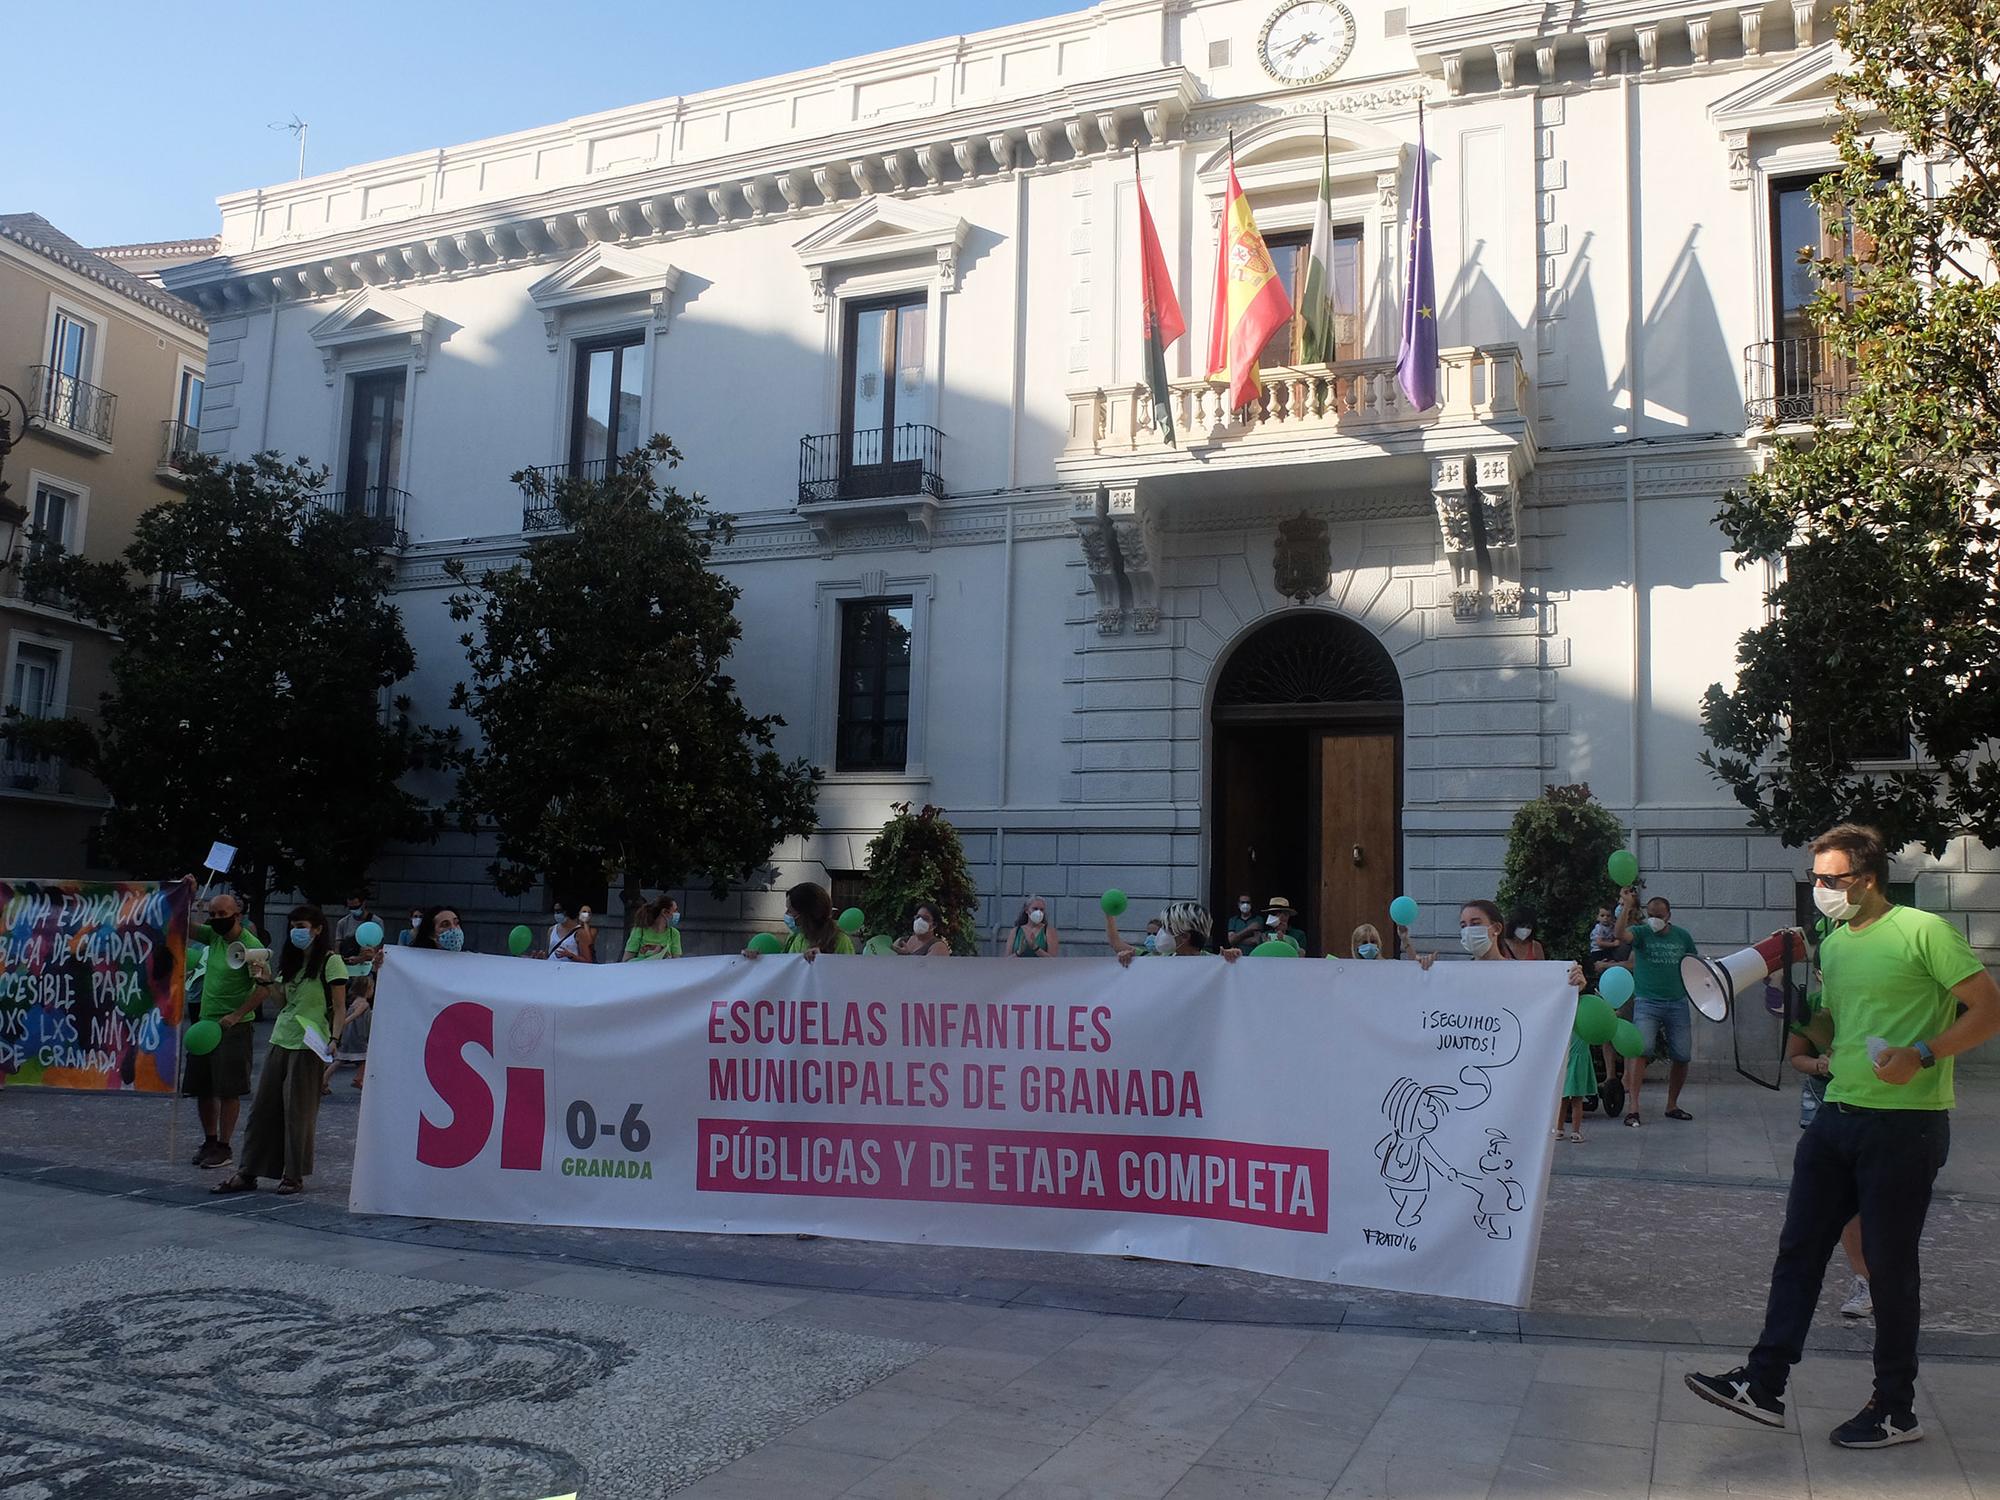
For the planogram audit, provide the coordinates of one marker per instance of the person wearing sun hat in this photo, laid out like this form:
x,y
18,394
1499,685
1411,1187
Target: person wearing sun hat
x,y
1281,920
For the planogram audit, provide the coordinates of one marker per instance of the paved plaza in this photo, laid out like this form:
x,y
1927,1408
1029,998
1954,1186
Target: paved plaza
x,y
163,1343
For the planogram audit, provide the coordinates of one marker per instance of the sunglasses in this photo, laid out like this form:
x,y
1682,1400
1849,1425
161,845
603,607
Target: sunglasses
x,y
1838,882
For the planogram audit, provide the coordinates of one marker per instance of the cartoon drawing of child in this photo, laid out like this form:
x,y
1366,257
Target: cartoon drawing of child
x,y
1406,1154
1498,1195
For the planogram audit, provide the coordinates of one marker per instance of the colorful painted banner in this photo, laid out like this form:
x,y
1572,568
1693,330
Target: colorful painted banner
x,y
91,983
1366,1123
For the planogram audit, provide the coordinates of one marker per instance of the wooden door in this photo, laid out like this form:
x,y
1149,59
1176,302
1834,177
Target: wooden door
x,y
1358,842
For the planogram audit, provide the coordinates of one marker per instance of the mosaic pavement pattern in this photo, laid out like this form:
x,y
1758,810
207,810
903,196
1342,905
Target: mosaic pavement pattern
x,y
125,1378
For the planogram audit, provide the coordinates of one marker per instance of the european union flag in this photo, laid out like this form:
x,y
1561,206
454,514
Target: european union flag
x,y
1417,355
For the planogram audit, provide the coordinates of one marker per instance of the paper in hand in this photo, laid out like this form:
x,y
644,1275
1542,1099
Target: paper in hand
x,y
317,1044
1876,1047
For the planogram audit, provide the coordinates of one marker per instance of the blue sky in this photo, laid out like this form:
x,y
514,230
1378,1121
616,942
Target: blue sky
x,y
168,106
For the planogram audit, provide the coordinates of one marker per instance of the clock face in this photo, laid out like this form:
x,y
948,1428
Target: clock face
x,y
1306,41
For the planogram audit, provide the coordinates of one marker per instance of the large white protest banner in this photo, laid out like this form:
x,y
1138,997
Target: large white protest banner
x,y
1364,1123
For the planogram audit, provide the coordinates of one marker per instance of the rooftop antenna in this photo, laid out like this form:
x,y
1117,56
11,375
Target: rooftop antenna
x,y
298,128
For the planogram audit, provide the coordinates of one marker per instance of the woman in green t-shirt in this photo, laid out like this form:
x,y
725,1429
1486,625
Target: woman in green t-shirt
x,y
656,931
809,921
284,1115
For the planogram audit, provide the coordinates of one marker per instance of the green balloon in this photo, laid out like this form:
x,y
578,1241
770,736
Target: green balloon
x,y
765,942
879,946
1595,1020
1274,948
1623,867
203,1038
1615,985
1114,903
1626,1041
851,920
520,940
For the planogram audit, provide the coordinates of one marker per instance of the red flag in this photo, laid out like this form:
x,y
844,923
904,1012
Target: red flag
x,y
1162,310
1250,300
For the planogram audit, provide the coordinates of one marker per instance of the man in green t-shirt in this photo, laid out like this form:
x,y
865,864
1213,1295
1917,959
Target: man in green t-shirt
x,y
1905,995
1659,997
219,1081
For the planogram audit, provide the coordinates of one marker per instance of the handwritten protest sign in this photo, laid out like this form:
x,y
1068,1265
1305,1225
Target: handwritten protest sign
x,y
90,983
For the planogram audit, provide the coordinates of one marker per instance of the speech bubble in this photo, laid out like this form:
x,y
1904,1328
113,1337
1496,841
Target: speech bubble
x,y
1485,1036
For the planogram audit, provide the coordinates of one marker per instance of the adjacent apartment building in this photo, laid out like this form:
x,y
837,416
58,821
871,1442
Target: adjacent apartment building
x,y
1323,646
110,369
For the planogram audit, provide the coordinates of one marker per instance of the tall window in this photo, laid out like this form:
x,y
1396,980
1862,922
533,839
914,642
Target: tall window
x,y
874,708
605,396
55,515
884,392
1288,257
69,348
374,441
187,401
1810,380
31,692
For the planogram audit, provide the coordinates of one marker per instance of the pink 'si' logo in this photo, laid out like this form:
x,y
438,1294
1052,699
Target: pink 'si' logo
x,y
465,1092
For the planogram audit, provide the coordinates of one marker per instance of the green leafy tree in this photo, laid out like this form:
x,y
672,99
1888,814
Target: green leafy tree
x,y
257,651
612,744
917,858
1886,626
1557,849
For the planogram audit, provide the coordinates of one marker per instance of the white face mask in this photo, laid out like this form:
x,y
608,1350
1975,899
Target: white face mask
x,y
1835,906
1521,934
583,917
1270,921
1162,942
921,926
1244,907
1658,924
1475,939
1036,916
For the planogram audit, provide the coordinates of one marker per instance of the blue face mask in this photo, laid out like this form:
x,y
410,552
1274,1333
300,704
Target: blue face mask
x,y
302,937
791,922
1369,950
673,919
360,971
452,939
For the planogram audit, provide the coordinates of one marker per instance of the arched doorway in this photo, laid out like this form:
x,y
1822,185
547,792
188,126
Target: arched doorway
x,y
1306,775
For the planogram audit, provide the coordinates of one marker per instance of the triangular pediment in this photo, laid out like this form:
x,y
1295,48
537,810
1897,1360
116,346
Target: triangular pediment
x,y
1797,92
880,227
599,272
370,314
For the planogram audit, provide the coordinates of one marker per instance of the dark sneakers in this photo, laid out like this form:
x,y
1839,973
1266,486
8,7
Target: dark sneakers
x,y
201,1151
1736,1391
1876,1427
213,1154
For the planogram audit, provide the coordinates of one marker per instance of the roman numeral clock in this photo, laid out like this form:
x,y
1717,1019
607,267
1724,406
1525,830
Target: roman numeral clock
x,y
1306,41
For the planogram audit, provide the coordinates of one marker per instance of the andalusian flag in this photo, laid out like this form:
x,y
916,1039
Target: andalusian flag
x,y
1316,336
1162,312
1250,300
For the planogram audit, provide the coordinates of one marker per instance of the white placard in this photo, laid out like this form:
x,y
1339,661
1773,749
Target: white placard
x,y
220,857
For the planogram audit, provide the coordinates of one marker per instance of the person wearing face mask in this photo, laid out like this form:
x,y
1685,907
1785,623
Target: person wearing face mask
x,y
925,939
439,928
1659,998
350,921
408,936
220,1082
1034,934
1181,931
656,931
1902,994
571,940
284,1117
1479,930
1366,942
1281,921
1519,938
1246,928
809,924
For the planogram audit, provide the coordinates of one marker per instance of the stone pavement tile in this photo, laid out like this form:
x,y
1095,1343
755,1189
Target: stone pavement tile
x,y
878,1424
786,1469
1742,1458
1413,1476
1472,1434
1192,1406
1472,1372
1966,1400
1295,1442
1601,1369
1224,1350
1206,1482
1106,1466
621,1289
1383,1356
1930,1469
1982,1472
1154,1339
1541,1467
1059,1397
956,1463
918,1319
1345,1405
1025,1330
1579,1414
959,1373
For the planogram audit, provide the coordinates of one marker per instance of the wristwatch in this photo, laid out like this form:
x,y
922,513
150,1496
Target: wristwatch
x,y
1929,1057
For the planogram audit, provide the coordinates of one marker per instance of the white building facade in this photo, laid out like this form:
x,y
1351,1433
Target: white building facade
x,y
889,310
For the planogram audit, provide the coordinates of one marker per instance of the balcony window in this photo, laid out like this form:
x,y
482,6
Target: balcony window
x,y
606,395
34,691
874,698
887,442
1797,375
374,459
1289,257
53,524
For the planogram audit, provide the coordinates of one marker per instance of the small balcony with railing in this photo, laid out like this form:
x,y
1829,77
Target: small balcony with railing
x,y
378,512
539,510
870,474
1794,383
178,445
71,408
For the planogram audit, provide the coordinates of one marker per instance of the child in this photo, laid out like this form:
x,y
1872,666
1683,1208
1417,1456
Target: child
x,y
1579,1084
1603,936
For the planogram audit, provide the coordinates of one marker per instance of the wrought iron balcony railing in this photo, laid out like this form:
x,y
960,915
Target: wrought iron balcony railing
x,y
379,508
872,463
538,504
21,771
1793,381
178,443
71,404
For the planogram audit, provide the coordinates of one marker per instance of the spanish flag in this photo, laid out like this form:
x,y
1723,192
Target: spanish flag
x,y
1250,300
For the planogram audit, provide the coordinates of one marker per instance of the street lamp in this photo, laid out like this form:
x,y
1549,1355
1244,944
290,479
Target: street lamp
x,y
12,514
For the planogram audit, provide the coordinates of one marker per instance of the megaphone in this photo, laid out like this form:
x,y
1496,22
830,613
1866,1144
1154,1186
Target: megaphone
x,y
241,956
1714,983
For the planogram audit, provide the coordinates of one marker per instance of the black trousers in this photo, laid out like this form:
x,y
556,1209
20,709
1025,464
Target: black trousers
x,y
1879,1163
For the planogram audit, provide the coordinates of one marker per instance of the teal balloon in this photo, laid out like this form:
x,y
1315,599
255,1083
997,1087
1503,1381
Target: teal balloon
x,y
204,1037
765,942
1615,985
1623,867
519,941
851,920
369,935
1403,911
1275,948
1626,1041
1595,1020
1114,903
879,946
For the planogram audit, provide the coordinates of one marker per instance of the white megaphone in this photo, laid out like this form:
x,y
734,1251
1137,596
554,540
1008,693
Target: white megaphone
x,y
1714,983
241,956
